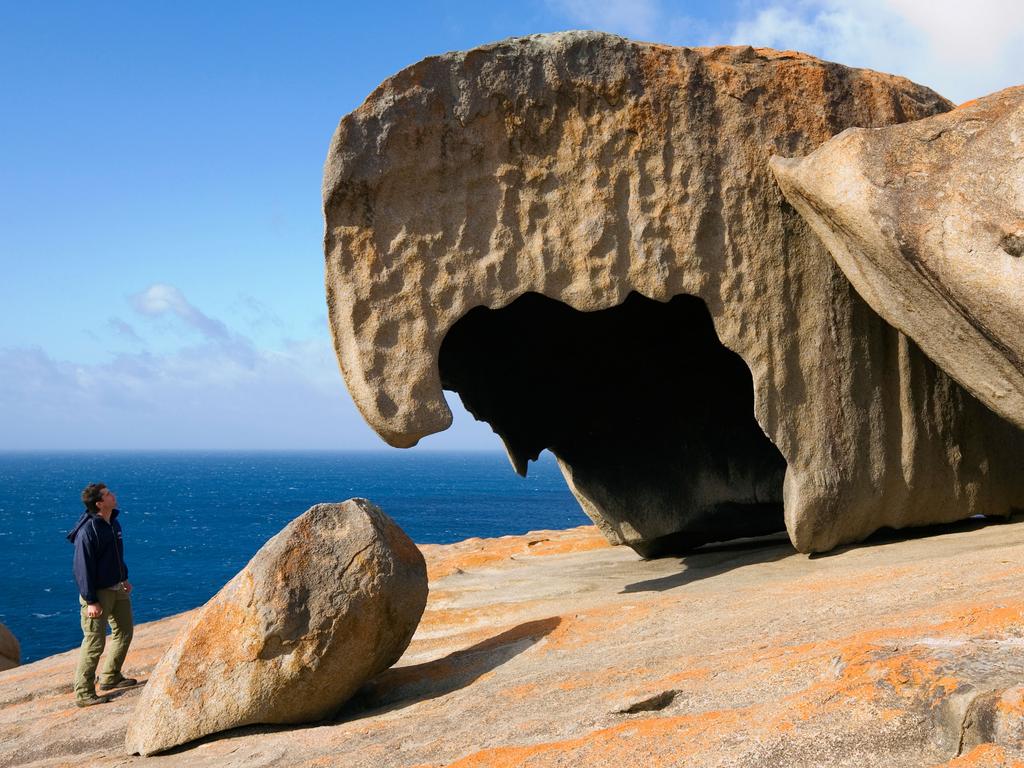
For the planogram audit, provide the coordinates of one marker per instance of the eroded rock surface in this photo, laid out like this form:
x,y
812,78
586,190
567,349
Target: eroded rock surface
x,y
329,602
553,649
10,650
927,222
580,234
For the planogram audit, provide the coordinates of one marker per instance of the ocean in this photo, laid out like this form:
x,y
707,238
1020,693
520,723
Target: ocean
x,y
192,520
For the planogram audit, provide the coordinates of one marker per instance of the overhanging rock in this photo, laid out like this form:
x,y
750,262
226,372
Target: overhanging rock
x,y
580,235
927,221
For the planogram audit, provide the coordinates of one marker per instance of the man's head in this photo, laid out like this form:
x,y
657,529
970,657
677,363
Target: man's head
x,y
98,499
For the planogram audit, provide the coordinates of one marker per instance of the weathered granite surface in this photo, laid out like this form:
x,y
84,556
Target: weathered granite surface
x,y
566,229
553,649
926,219
326,604
10,650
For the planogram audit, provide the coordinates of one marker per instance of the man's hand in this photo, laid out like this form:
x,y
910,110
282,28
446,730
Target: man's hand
x,y
94,610
127,588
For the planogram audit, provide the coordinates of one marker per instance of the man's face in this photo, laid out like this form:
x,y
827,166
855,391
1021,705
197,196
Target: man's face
x,y
107,501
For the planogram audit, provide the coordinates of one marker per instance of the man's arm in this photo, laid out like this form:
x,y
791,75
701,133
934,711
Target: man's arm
x,y
120,552
85,569
124,565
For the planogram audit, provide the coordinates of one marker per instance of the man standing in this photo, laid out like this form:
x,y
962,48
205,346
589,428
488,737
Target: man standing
x,y
103,590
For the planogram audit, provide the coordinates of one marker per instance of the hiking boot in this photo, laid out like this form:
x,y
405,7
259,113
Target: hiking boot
x,y
88,701
121,682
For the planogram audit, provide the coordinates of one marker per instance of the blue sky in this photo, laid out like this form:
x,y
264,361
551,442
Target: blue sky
x,y
160,168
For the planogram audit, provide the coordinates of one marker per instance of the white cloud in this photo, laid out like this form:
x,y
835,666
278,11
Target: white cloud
x,y
962,50
161,299
974,34
224,392
198,397
206,396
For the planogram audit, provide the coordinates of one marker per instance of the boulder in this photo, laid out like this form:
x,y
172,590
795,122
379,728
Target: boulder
x,y
580,235
926,219
10,650
330,601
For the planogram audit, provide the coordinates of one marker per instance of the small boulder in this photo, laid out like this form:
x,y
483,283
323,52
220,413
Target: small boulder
x,y
10,651
329,602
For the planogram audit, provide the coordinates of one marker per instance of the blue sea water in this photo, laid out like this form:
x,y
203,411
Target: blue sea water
x,y
192,520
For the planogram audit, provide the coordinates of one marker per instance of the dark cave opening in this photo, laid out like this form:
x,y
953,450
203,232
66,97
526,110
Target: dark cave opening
x,y
650,412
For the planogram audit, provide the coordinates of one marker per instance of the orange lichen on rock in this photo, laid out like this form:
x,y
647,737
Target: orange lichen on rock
x,y
475,553
986,619
862,581
871,675
454,621
665,740
1011,703
229,637
582,629
599,658
659,684
984,756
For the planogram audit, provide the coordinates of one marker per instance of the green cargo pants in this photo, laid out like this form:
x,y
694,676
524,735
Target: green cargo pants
x,y
117,610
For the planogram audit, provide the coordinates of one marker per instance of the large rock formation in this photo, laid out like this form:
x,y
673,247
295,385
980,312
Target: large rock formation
x,y
330,601
927,221
565,229
10,650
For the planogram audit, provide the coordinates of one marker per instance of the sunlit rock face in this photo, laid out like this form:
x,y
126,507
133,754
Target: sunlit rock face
x,y
581,236
927,222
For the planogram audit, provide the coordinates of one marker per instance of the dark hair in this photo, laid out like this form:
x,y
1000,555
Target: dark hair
x,y
93,493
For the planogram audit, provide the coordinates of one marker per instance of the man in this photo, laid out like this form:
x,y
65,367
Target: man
x,y
104,592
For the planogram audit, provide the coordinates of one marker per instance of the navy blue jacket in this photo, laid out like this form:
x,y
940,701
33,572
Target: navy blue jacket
x,y
99,554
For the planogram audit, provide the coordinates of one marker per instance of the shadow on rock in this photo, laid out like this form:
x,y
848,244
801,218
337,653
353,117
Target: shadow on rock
x,y
402,686
892,535
714,559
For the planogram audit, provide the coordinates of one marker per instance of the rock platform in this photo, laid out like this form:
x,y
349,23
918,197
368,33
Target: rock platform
x,y
553,648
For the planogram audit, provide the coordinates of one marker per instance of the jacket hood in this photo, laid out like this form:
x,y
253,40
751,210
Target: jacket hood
x,y
84,519
81,521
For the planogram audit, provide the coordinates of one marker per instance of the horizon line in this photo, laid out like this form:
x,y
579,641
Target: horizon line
x,y
384,449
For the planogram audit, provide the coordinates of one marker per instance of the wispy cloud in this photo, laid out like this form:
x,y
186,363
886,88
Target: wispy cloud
x,y
222,392
256,313
161,299
124,330
197,397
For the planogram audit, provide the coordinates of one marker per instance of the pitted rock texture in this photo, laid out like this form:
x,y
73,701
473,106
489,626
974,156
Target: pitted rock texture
x,y
580,169
330,601
927,221
10,650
